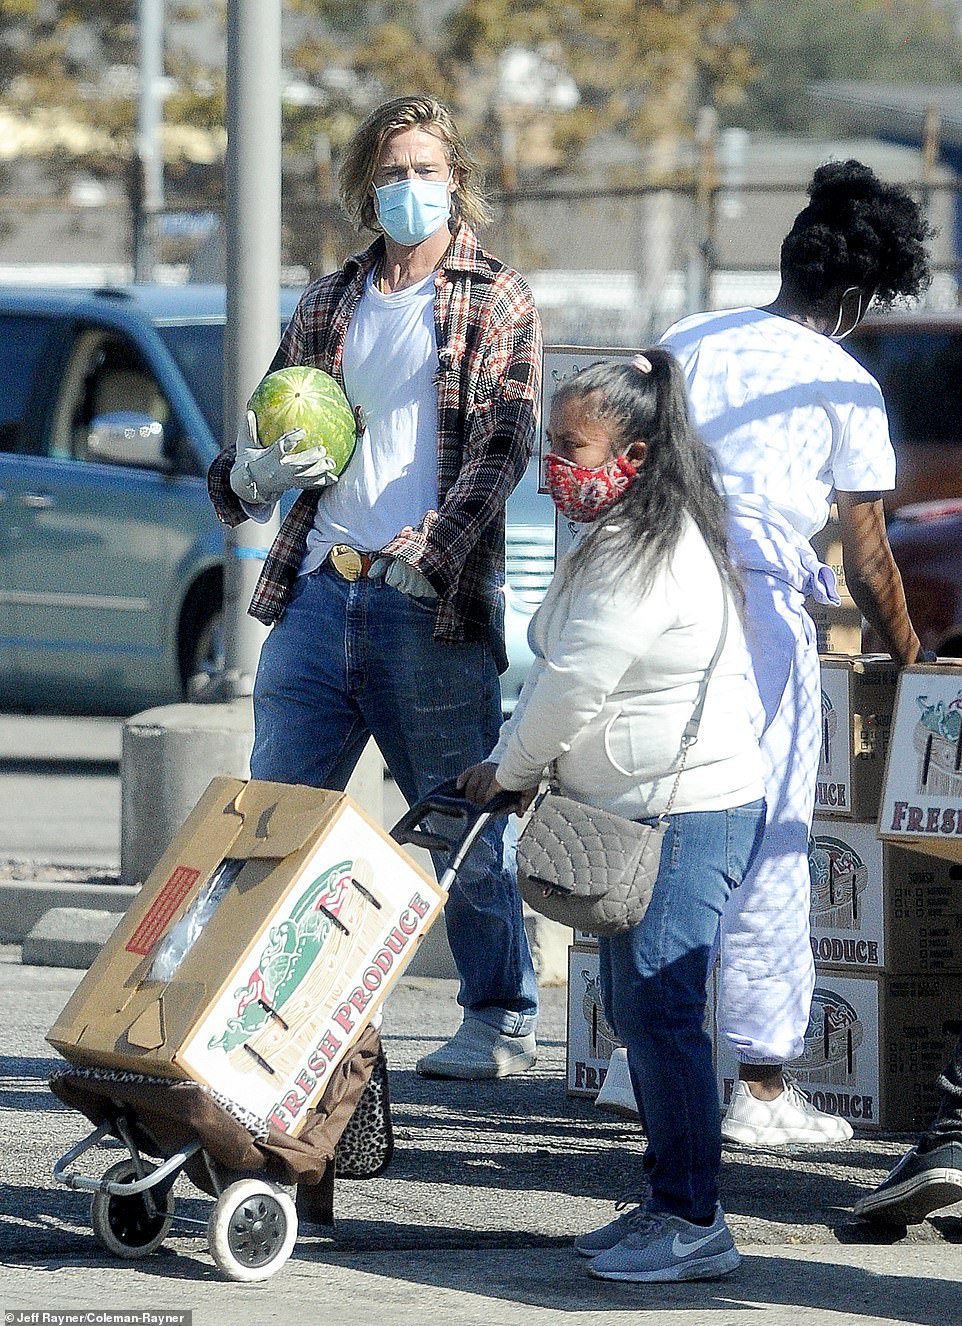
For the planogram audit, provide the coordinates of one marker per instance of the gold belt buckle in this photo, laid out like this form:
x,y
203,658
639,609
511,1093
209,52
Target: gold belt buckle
x,y
346,561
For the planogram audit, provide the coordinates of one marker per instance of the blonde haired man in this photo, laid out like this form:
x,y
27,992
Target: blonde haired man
x,y
384,588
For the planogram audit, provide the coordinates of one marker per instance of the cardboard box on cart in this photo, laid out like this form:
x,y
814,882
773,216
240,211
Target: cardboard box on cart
x,y
921,805
256,952
858,696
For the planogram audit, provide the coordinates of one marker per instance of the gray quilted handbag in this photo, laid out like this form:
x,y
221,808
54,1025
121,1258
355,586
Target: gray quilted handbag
x,y
586,867
592,869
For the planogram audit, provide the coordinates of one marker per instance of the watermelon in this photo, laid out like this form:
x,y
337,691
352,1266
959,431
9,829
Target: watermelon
x,y
308,398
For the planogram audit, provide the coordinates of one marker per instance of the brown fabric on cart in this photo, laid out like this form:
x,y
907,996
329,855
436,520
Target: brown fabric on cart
x,y
164,1116
304,1158
167,1116
314,1202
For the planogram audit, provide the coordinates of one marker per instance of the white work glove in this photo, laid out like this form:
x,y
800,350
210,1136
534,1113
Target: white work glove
x,y
261,474
402,577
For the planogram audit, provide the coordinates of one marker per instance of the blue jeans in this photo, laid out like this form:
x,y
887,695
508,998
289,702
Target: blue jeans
x,y
653,980
353,660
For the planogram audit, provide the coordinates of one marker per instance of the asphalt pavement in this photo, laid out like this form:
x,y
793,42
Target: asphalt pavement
x,y
60,790
473,1221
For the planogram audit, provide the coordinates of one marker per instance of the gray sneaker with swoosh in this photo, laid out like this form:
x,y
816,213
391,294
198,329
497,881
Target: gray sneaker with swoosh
x,y
632,1210
666,1248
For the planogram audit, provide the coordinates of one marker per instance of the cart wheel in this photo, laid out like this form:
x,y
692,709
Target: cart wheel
x,y
124,1225
251,1230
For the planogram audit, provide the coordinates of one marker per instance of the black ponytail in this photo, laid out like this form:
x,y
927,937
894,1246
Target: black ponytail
x,y
640,532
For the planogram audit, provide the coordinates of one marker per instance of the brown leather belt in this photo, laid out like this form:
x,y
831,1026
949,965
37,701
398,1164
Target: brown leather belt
x,y
348,563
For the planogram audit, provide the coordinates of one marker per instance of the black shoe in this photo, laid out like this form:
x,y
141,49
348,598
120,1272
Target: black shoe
x,y
921,1182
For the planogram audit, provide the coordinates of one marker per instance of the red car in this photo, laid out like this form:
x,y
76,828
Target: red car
x,y
917,360
926,539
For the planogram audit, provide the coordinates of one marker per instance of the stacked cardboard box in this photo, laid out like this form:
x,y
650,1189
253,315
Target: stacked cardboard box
x,y
590,1038
886,922
886,915
921,804
838,629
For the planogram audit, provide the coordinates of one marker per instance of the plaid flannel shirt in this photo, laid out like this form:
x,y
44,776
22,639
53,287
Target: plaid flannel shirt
x,y
488,384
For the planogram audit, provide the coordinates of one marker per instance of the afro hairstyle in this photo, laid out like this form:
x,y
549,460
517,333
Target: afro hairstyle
x,y
856,231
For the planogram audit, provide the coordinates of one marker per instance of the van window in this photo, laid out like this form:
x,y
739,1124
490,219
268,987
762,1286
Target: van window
x,y
920,374
104,374
23,342
198,350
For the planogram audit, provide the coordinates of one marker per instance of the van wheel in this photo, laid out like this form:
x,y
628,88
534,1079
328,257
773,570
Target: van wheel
x,y
202,649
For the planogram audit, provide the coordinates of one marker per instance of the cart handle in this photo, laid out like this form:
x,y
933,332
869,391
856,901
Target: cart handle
x,y
447,799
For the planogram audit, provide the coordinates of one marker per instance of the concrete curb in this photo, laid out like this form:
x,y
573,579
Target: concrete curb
x,y
68,937
24,902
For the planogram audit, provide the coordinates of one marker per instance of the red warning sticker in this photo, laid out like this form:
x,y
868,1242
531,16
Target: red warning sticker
x,y
165,905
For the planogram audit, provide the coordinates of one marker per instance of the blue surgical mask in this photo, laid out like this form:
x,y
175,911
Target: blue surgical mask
x,y
412,210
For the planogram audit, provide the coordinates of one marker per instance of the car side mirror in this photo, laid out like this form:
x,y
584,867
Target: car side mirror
x,y
128,437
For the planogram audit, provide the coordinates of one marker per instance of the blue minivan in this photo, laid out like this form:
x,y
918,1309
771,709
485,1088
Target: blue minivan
x,y
110,554
111,558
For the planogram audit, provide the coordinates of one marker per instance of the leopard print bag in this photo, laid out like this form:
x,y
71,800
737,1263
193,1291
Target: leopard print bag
x,y
366,1145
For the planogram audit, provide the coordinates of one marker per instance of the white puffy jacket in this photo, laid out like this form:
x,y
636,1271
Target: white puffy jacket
x,y
615,680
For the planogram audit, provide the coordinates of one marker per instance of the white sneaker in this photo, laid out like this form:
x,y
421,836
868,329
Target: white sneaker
x,y
780,1122
617,1094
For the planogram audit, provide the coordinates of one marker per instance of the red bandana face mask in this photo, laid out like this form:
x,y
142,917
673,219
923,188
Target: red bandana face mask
x,y
585,494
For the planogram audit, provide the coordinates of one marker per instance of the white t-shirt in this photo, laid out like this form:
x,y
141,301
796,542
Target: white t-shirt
x,y
614,682
789,414
390,359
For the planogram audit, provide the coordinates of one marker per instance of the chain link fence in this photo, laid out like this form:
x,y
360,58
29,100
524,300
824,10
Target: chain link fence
x,y
609,267
617,267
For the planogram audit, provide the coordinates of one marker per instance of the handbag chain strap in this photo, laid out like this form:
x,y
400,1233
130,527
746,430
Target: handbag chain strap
x,y
690,734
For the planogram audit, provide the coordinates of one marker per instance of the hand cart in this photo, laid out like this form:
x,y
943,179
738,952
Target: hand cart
x,y
227,1151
